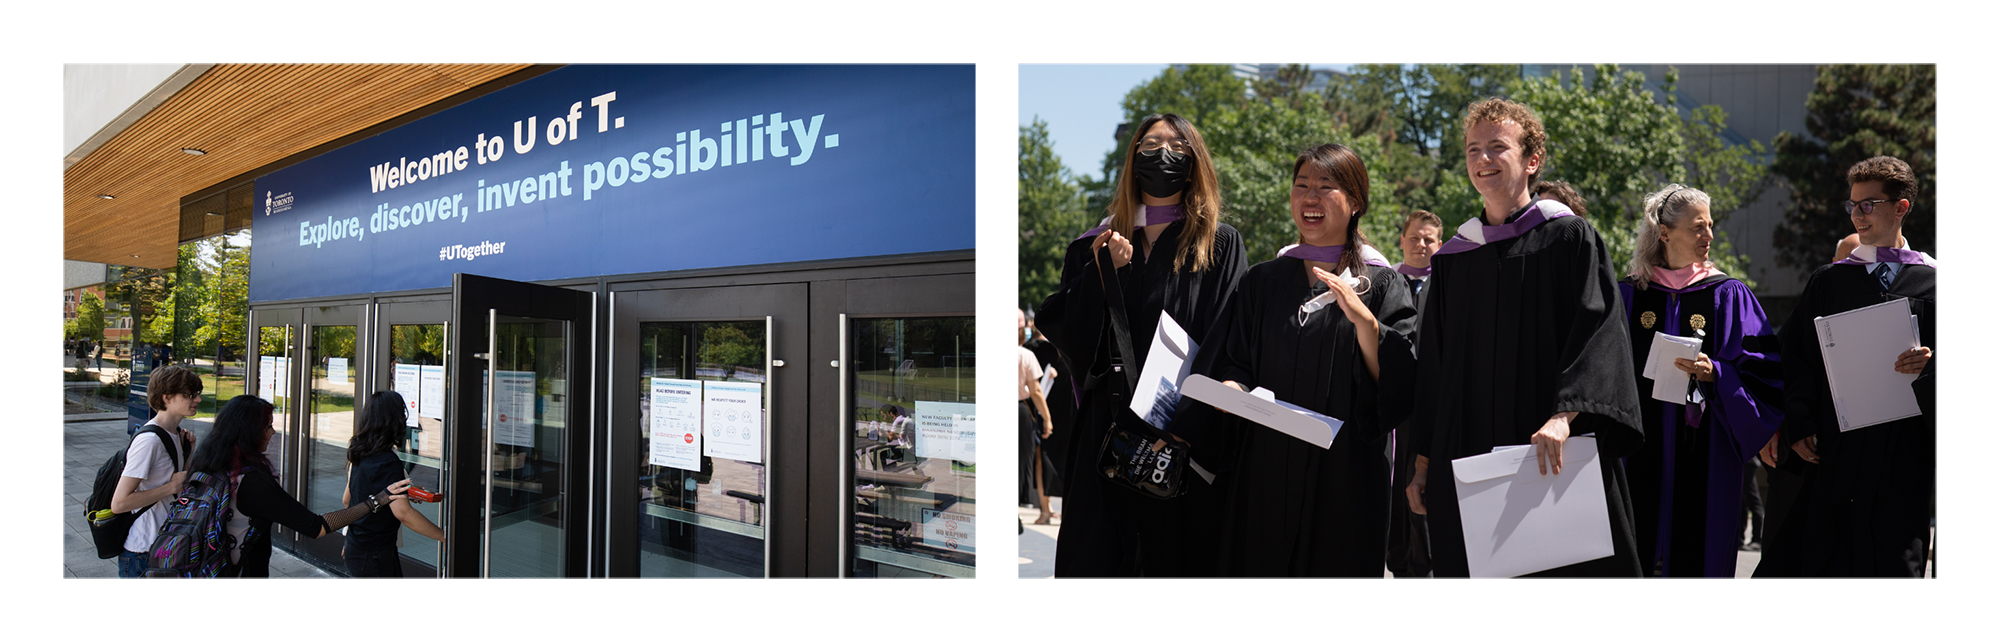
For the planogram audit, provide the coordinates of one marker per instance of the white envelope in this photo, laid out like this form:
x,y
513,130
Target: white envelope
x,y
1168,361
1518,521
1860,348
1306,425
1669,382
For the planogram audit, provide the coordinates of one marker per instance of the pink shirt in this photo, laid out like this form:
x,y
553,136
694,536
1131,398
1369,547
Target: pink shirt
x,y
1017,367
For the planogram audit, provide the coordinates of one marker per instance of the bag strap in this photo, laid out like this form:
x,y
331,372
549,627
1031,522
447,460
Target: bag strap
x,y
174,447
1121,328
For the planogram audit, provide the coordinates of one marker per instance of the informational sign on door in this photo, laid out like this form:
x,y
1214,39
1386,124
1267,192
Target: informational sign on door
x,y
947,430
267,379
336,370
430,400
407,376
281,373
949,531
514,403
733,420
676,424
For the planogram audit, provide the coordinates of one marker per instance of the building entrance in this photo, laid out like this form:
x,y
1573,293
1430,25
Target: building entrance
x,y
778,423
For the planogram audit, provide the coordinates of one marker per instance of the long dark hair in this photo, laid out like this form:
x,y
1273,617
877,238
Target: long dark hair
x,y
380,427
1346,169
1201,202
237,439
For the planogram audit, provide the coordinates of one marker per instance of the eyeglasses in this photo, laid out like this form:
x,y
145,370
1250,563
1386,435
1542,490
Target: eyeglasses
x,y
1151,145
1867,206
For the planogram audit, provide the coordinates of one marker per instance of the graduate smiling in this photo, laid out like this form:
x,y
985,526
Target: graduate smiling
x,y
1522,342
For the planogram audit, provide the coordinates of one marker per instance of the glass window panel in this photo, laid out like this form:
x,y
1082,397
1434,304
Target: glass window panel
x,y
416,357
331,417
529,393
707,521
914,463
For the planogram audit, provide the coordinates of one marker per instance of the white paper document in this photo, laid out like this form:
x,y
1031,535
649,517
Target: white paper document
x,y
1860,348
733,423
1518,521
406,385
948,430
1306,425
1669,382
676,424
430,398
1168,360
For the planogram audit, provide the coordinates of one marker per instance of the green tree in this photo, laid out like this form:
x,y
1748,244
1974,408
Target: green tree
x,y
1856,112
1615,142
1051,213
89,322
1416,110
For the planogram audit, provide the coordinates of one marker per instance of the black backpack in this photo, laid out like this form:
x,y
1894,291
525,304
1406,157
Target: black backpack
x,y
109,535
195,539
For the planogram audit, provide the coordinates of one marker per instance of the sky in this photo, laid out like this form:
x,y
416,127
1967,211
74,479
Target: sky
x,y
1080,104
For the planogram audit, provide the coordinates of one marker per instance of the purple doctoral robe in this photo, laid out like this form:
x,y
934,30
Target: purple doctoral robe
x,y
1687,480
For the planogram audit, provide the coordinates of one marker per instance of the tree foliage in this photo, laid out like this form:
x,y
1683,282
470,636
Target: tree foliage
x,y
89,322
1856,112
1615,142
1610,137
1051,211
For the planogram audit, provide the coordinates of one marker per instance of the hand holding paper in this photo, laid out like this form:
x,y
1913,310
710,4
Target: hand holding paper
x,y
1669,383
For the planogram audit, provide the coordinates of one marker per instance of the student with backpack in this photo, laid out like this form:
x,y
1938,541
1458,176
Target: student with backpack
x,y
370,549
155,466
232,459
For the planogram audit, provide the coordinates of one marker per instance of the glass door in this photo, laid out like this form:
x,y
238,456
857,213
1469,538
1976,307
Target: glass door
x,y
276,335
519,366
700,397
331,376
411,354
908,457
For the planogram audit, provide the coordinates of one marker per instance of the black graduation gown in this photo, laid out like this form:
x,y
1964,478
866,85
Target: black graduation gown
x,y
1292,509
1109,531
1865,509
1513,332
1062,408
1409,552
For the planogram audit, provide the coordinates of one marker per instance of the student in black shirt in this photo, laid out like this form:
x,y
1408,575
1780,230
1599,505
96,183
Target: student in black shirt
x,y
234,448
370,550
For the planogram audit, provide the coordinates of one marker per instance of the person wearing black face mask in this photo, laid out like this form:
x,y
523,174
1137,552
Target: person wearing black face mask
x,y
1172,254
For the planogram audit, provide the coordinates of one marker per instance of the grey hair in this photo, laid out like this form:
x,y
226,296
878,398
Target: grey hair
x,y
1666,207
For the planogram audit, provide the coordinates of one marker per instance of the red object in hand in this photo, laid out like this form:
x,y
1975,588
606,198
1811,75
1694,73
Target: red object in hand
x,y
419,494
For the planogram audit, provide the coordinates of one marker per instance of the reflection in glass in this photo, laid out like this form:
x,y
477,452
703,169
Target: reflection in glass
x,y
914,460
528,380
416,358
331,424
701,516
272,380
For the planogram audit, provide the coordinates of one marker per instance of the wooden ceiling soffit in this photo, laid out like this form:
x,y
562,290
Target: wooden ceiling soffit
x,y
247,117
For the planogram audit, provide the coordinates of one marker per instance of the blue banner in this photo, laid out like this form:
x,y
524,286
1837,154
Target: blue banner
x,y
598,170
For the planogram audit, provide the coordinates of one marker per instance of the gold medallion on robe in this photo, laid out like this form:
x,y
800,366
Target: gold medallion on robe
x,y
1697,322
1647,319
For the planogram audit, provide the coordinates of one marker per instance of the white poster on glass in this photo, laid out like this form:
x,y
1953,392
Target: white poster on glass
x,y
430,386
733,420
676,424
949,531
267,378
406,385
947,430
283,374
514,403
336,370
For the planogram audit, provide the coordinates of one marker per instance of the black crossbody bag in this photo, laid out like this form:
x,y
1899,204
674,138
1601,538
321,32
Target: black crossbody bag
x,y
1127,457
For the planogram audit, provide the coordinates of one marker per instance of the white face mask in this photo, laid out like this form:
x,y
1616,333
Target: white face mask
x,y
1358,283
